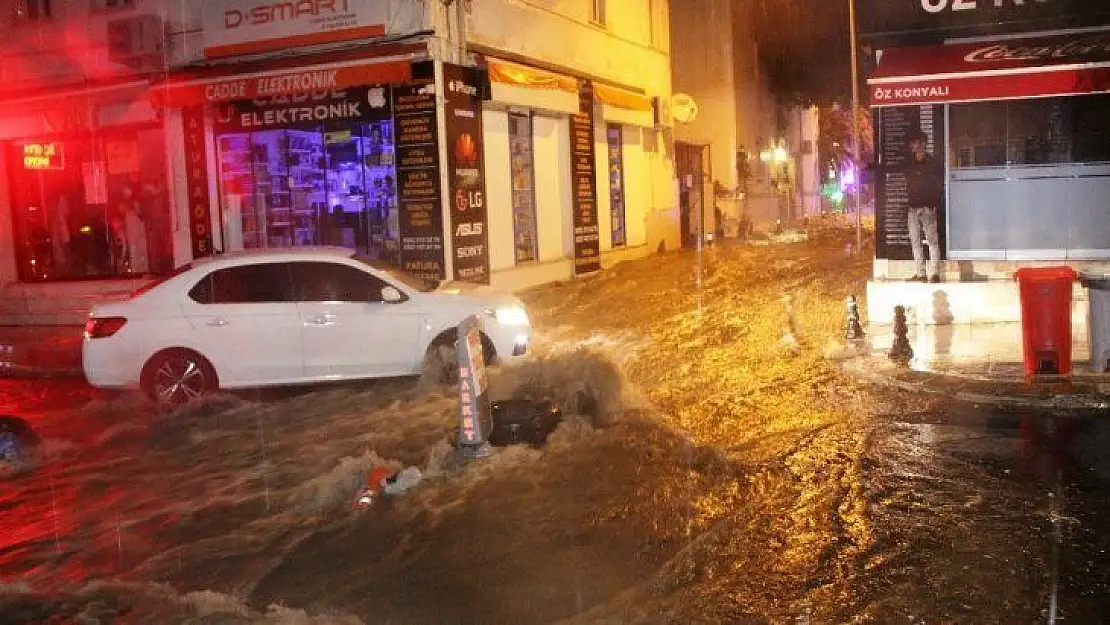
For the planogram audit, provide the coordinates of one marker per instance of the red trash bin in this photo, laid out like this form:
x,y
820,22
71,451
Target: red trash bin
x,y
1046,319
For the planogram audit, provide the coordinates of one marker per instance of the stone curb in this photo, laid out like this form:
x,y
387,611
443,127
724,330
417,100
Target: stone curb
x,y
1062,403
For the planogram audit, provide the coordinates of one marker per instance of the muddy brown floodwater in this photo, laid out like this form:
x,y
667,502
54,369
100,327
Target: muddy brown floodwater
x,y
727,475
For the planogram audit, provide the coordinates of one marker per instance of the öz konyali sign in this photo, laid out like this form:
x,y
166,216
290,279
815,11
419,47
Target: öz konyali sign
x,y
1014,68
889,19
234,27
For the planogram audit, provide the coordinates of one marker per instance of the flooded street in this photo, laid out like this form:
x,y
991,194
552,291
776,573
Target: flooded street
x,y
715,476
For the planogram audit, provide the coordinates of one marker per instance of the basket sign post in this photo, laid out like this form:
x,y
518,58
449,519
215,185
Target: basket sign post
x,y
475,419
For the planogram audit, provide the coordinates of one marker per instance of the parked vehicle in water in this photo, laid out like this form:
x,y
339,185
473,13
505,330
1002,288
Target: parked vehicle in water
x,y
288,317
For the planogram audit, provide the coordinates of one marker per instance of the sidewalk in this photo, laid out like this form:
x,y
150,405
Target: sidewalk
x,y
980,364
40,351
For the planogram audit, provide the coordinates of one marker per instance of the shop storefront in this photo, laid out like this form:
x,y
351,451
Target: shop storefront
x,y
573,171
990,116
1019,127
343,154
90,205
83,187
1009,100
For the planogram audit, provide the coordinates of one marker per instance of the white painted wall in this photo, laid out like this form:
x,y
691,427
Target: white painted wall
x,y
601,182
637,186
558,34
551,137
175,157
620,51
502,245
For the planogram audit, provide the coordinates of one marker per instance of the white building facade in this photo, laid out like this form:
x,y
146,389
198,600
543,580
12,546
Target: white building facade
x,y
501,142
715,59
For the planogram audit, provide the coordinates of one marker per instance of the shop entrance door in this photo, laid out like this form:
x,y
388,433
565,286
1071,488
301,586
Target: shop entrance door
x,y
694,176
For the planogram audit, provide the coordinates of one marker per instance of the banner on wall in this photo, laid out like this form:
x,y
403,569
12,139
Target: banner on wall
x,y
196,177
587,242
418,186
352,104
894,127
236,27
466,176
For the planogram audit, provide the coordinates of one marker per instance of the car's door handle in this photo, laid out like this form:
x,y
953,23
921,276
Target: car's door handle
x,y
217,323
321,320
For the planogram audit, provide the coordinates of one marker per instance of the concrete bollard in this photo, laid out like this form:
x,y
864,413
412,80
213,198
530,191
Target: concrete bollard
x,y
854,331
901,352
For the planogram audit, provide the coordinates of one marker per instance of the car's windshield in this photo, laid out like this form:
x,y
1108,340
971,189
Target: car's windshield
x,y
404,278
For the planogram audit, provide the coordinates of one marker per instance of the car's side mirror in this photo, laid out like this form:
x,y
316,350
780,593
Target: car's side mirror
x,y
390,295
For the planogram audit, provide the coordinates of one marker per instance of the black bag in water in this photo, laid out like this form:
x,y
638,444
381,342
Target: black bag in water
x,y
522,421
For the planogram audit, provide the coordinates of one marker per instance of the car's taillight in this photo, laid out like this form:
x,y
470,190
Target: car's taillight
x,y
103,327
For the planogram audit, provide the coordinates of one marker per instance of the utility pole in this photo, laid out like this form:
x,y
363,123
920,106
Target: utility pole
x,y
855,124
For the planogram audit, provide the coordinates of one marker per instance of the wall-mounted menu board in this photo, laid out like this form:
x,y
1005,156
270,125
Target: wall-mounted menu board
x,y
894,126
587,242
418,184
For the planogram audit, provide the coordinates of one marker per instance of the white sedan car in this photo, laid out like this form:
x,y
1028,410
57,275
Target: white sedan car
x,y
287,317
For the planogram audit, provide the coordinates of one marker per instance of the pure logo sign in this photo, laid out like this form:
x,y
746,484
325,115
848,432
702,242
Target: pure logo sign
x,y
939,6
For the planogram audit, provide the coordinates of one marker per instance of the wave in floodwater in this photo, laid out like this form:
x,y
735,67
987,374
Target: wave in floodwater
x,y
232,508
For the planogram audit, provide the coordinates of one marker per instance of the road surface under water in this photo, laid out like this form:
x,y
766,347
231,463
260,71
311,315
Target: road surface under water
x,y
987,517
973,516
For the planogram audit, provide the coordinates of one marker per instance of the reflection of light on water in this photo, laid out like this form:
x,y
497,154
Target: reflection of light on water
x,y
1055,585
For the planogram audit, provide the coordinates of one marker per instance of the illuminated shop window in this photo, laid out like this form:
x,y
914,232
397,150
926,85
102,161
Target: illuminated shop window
x,y
615,138
90,207
523,180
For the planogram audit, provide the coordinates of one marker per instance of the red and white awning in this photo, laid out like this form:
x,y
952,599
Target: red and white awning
x,y
999,70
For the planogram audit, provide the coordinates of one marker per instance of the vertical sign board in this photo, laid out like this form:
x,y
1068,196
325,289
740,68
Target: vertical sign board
x,y
587,247
196,172
475,419
418,189
894,125
466,176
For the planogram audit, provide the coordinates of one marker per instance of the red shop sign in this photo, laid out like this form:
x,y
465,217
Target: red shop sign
x,y
186,92
44,156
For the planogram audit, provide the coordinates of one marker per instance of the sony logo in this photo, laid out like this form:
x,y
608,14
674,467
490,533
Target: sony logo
x,y
270,12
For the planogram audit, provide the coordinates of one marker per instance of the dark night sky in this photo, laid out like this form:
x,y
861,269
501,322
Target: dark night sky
x,y
805,49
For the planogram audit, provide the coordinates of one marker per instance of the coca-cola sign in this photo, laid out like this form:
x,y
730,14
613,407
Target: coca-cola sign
x,y
1065,51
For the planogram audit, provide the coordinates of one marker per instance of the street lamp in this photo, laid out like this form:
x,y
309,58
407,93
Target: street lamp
x,y
774,156
855,122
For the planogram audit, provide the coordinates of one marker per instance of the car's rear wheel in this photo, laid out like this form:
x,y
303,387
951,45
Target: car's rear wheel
x,y
178,376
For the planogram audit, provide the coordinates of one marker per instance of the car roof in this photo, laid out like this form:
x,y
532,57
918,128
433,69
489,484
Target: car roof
x,y
308,252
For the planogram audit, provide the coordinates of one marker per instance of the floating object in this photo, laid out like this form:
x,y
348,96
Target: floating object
x,y
17,442
376,481
523,422
403,481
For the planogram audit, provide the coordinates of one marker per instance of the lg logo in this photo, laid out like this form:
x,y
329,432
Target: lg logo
x,y
939,6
